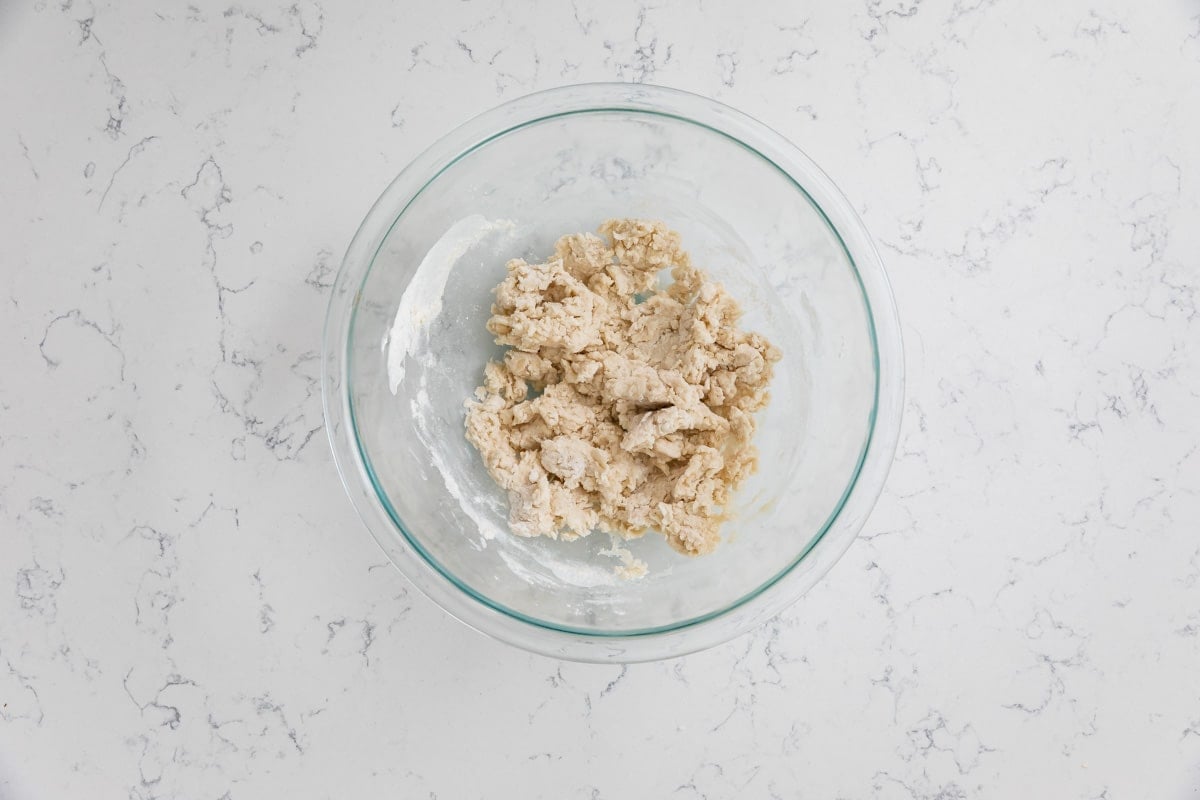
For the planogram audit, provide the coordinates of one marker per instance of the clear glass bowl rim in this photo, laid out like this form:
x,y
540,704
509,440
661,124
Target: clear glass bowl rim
x,y
691,635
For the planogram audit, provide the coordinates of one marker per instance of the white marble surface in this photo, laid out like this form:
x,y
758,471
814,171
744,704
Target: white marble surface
x,y
193,610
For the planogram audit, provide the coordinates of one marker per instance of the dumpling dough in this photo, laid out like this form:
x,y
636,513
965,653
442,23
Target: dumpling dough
x,y
619,406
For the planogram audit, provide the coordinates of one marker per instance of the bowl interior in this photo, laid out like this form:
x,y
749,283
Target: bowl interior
x,y
418,346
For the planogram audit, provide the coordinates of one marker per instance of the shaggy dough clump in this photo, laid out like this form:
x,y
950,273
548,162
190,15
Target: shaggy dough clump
x,y
640,414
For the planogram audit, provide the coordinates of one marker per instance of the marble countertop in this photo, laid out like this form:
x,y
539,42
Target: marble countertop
x,y
194,611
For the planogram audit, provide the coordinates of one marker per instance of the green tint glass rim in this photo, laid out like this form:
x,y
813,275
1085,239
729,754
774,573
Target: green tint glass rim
x,y
382,496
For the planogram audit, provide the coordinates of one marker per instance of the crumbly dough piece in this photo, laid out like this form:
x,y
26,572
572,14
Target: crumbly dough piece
x,y
640,414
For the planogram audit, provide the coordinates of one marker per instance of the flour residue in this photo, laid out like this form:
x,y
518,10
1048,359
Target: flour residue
x,y
570,570
422,299
420,306
488,528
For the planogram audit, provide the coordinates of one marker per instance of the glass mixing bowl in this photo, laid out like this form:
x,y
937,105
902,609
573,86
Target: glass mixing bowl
x,y
405,346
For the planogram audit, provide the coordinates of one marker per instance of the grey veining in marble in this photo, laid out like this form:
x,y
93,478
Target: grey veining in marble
x,y
193,610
